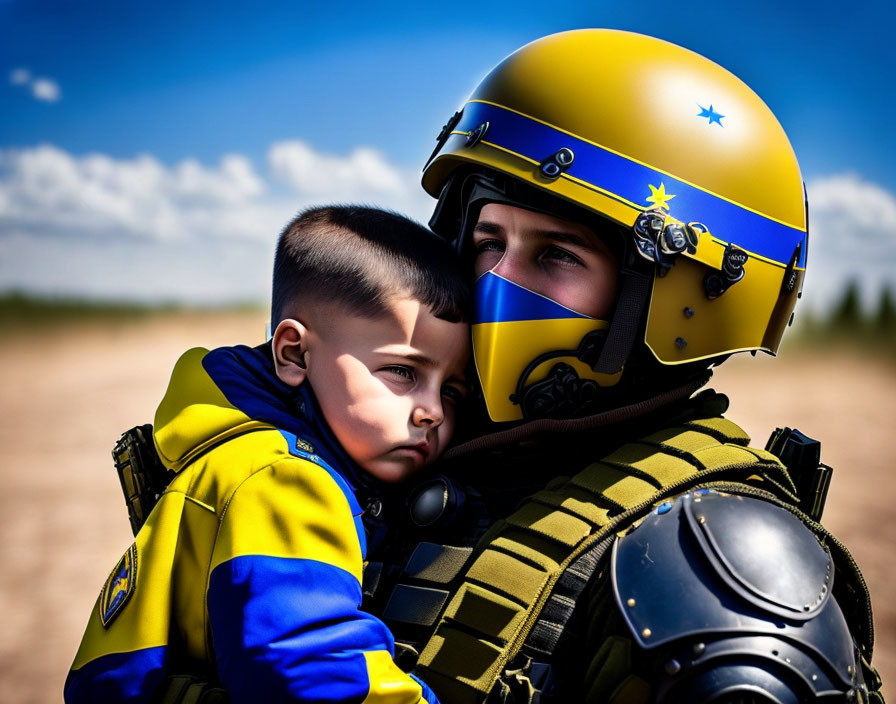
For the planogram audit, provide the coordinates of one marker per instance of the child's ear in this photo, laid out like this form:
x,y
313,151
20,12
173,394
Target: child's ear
x,y
290,346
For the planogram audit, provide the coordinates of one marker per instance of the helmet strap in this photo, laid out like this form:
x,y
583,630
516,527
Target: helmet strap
x,y
626,321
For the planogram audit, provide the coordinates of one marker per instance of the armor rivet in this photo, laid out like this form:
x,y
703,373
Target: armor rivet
x,y
814,677
699,648
689,312
647,633
806,607
673,667
630,602
701,520
681,343
786,659
849,670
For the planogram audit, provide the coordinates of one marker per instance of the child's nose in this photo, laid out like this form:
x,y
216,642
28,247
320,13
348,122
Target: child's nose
x,y
428,413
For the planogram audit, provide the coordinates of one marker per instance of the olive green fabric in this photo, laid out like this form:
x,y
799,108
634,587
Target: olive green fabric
x,y
518,561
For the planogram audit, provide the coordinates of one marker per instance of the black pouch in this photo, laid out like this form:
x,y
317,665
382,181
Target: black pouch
x,y
142,475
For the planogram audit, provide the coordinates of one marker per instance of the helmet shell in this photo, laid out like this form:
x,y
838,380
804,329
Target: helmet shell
x,y
652,126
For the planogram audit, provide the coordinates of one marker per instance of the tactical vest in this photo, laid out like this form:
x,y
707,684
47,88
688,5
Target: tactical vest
x,y
495,606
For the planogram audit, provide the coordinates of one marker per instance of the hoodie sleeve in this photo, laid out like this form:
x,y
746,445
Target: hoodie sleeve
x,y
284,596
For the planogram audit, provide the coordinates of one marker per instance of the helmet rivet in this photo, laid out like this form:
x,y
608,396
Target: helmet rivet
x,y
630,602
476,135
733,263
714,285
681,343
557,163
674,239
646,633
564,157
688,312
698,648
673,667
551,169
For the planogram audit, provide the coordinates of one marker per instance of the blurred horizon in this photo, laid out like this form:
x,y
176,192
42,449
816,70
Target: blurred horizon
x,y
152,153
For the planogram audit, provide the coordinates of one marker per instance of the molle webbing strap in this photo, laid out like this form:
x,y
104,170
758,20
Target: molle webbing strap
x,y
519,560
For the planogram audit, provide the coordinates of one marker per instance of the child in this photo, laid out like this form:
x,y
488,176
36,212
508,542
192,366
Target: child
x,y
248,569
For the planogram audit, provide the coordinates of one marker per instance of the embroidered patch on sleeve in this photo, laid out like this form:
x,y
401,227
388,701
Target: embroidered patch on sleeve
x,y
118,587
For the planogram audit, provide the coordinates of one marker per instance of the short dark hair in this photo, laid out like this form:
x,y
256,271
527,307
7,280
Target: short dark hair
x,y
359,256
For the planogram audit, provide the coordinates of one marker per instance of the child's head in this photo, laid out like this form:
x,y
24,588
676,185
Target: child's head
x,y
369,308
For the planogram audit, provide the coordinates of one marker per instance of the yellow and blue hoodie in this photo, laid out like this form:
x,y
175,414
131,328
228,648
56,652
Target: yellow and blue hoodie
x,y
250,564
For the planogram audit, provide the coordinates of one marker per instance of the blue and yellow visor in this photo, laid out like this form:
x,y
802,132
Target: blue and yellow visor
x,y
512,326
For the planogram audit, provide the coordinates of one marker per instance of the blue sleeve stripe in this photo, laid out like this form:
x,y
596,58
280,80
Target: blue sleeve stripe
x,y
627,180
118,677
291,628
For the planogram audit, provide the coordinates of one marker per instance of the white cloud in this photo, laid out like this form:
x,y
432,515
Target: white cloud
x,y
138,228
48,191
852,236
19,76
41,87
46,89
364,171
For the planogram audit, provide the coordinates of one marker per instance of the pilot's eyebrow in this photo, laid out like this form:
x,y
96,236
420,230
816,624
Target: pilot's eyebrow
x,y
570,237
492,228
489,228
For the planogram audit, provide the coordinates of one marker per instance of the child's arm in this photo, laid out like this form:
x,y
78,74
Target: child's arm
x,y
284,596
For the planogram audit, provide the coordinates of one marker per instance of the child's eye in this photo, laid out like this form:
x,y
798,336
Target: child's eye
x,y
453,393
401,371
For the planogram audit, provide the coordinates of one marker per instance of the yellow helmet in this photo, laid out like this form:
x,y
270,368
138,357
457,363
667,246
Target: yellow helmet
x,y
665,144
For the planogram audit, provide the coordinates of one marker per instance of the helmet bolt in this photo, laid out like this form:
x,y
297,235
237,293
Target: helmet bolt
x,y
688,312
477,134
557,163
681,343
733,261
714,285
551,169
564,157
674,239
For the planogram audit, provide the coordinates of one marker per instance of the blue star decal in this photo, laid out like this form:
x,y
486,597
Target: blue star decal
x,y
711,114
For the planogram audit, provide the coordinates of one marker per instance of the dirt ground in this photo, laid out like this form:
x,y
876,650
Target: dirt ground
x,y
67,392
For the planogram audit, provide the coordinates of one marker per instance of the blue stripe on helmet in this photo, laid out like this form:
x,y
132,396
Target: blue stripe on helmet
x,y
628,180
500,301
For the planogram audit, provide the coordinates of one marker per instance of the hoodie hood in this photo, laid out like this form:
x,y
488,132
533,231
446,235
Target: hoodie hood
x,y
216,395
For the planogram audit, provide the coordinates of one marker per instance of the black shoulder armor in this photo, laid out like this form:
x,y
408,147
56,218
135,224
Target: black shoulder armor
x,y
732,595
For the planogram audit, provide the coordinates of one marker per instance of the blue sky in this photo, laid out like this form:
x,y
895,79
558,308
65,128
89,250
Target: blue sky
x,y
194,82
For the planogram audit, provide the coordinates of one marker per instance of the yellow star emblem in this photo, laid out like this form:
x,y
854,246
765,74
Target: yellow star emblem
x,y
659,197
